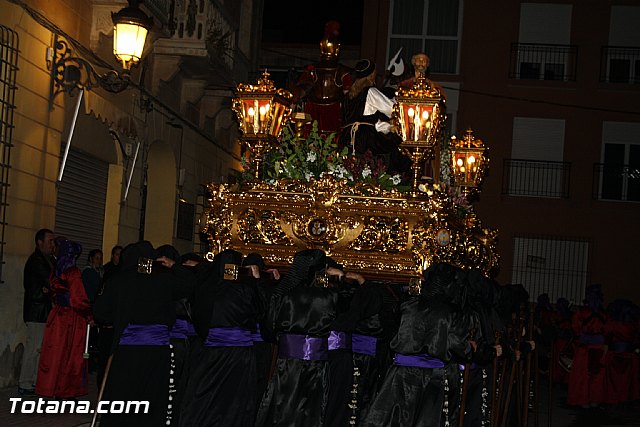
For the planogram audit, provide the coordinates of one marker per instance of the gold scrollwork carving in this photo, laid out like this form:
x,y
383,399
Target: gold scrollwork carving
x,y
378,231
385,234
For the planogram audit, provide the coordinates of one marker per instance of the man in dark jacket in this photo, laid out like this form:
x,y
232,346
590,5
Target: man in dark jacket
x,y
37,305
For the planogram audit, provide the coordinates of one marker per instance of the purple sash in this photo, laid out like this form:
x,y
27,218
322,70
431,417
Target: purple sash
x,y
153,334
228,337
303,347
417,361
180,329
593,339
621,347
191,330
364,344
257,336
339,340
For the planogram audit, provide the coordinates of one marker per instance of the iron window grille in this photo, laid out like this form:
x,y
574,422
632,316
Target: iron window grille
x,y
8,70
620,65
534,178
530,61
616,182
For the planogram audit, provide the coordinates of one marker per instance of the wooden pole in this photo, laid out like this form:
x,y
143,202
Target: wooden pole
x,y
104,381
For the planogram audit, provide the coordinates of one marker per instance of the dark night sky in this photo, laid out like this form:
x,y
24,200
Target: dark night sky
x,y
287,21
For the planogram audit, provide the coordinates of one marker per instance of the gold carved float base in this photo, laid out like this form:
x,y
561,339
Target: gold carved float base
x,y
383,234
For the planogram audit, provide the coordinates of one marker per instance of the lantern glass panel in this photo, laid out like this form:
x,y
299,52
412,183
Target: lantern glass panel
x,y
128,43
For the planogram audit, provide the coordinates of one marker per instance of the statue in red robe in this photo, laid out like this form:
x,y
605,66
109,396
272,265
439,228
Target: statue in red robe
x,y
322,85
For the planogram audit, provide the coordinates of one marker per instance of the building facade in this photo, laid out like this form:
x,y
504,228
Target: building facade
x,y
107,165
552,87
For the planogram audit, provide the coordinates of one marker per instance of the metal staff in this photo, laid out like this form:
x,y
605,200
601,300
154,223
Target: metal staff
x,y
552,369
527,378
85,355
465,382
494,390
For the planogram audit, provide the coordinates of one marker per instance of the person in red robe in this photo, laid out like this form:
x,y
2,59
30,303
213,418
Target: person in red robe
x,y
62,372
622,363
586,380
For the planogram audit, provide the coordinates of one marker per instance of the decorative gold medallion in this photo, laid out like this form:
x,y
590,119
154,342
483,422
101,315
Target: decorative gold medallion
x,y
317,227
443,237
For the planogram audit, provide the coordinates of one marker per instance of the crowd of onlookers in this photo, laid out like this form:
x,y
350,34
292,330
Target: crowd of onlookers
x,y
230,342
591,348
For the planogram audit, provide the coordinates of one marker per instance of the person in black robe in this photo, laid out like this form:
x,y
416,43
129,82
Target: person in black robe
x,y
221,388
302,311
104,312
419,389
370,338
262,343
178,337
512,305
142,356
480,300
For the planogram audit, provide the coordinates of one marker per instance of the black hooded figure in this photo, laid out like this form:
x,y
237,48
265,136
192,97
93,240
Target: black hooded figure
x,y
262,343
221,388
421,387
179,338
301,314
142,364
480,301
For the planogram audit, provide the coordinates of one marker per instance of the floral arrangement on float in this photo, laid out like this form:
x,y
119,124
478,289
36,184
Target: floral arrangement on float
x,y
313,157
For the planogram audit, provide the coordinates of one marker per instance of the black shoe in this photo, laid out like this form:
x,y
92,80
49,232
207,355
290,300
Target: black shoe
x,y
26,391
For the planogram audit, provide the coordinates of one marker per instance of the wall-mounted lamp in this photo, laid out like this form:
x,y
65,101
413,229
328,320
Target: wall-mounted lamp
x,y
70,73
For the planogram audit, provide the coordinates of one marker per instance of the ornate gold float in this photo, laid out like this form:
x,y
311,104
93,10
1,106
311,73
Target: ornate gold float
x,y
383,233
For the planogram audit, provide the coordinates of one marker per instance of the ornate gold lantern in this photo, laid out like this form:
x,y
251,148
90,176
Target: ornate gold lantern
x,y
262,111
469,162
418,116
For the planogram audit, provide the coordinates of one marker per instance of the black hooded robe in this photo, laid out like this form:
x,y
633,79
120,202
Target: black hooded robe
x,y
221,387
433,326
298,392
143,372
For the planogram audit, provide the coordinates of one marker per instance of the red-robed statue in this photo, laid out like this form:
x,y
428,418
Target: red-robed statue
x,y
322,85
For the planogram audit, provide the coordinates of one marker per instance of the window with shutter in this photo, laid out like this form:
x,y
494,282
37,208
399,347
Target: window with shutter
x,y
535,168
429,26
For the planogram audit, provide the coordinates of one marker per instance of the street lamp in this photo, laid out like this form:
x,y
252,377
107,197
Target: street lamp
x,y
262,111
70,73
130,29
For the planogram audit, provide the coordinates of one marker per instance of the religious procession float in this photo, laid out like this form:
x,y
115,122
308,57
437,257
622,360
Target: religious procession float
x,y
303,191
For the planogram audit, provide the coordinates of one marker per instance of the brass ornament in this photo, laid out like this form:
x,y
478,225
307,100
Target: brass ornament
x,y
377,232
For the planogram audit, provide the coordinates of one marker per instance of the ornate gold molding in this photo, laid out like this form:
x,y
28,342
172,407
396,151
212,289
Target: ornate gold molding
x,y
381,233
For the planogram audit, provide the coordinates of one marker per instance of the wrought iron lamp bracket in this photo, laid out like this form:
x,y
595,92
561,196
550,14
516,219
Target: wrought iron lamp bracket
x,y
71,73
